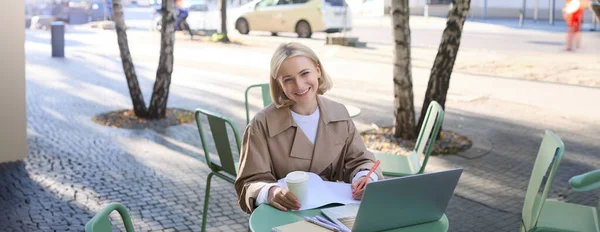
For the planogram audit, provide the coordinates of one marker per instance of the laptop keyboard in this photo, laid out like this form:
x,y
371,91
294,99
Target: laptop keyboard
x,y
347,221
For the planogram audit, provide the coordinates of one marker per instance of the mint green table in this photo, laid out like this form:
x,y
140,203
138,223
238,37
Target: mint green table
x,y
352,110
265,217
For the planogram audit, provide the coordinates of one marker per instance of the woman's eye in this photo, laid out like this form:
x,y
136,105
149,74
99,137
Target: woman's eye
x,y
287,80
305,73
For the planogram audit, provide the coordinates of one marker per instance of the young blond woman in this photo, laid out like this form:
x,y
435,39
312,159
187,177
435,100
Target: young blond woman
x,y
300,131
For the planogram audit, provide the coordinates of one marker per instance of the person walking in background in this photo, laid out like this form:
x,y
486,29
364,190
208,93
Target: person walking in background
x,y
181,19
573,15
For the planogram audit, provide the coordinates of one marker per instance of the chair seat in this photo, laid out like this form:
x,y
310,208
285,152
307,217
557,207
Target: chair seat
x,y
394,165
568,217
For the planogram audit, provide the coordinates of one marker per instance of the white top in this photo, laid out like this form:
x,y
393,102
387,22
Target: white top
x,y
308,123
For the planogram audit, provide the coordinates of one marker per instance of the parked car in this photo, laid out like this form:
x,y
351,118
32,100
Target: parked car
x,y
84,11
301,16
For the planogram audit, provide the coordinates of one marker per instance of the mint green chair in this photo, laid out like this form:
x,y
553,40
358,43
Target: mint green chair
x,y
101,221
542,214
585,182
398,165
266,95
226,168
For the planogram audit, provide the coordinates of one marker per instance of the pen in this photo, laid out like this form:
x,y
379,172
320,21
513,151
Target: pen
x,y
321,224
321,219
362,183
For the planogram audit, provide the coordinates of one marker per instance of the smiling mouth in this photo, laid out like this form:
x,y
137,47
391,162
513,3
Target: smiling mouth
x,y
303,93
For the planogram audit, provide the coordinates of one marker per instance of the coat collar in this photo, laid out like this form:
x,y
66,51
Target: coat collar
x,y
281,118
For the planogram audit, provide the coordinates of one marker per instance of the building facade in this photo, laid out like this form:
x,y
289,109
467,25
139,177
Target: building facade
x,y
13,120
480,9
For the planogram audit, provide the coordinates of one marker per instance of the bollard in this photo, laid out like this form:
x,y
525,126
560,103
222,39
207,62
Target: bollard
x,y
595,7
57,32
521,18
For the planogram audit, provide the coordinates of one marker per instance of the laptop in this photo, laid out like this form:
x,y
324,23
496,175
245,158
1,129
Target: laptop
x,y
398,202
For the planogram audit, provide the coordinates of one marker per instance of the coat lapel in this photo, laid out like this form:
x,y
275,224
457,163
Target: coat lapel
x,y
328,145
301,147
281,120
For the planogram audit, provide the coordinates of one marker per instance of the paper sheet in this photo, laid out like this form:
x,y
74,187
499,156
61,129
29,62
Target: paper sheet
x,y
322,192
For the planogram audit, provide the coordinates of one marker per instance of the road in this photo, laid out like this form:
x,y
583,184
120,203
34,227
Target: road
x,y
492,35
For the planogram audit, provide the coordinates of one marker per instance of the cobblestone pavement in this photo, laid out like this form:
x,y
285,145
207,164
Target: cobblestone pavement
x,y
75,167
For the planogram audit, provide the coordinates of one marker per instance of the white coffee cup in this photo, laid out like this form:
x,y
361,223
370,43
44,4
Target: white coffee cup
x,y
297,183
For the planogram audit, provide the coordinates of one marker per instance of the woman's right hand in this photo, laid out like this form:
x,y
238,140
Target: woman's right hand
x,y
282,199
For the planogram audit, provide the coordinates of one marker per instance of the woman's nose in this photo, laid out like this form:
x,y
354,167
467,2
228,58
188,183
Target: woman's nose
x,y
297,82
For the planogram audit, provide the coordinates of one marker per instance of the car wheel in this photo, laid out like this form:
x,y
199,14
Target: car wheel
x,y
242,26
303,29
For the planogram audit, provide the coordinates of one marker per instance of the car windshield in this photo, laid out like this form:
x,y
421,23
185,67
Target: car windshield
x,y
335,2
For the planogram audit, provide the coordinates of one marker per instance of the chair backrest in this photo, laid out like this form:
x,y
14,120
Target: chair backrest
x,y
101,221
266,96
546,164
218,127
428,133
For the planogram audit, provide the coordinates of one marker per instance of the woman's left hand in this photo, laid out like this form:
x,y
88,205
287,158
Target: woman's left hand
x,y
358,194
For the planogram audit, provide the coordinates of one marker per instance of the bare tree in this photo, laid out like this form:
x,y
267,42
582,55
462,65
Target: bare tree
x,y
137,97
223,7
404,109
160,94
439,81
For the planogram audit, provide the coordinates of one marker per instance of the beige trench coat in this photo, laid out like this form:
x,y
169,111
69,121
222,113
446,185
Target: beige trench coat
x,y
273,145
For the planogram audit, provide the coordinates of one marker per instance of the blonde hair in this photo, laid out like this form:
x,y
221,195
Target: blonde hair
x,y
289,50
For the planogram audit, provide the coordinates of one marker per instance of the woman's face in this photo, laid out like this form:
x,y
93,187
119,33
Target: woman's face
x,y
299,79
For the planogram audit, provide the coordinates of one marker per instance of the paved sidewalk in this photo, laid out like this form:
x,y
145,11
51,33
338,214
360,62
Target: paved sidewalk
x,y
75,166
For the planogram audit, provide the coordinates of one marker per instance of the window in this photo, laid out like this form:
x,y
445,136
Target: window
x,y
299,1
266,3
198,7
336,2
439,2
284,2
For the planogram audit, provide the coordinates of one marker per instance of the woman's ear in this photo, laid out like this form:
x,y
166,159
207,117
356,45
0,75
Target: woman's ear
x,y
318,67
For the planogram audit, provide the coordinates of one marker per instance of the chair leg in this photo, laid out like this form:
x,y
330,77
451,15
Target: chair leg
x,y
206,197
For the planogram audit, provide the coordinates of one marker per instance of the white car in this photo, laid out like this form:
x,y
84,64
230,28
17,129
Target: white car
x,y
301,16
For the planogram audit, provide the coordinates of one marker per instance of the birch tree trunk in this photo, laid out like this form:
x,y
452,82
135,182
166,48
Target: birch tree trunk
x,y
439,81
137,98
404,109
160,92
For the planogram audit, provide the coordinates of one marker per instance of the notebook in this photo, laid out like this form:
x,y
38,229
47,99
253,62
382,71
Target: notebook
x,y
300,226
322,192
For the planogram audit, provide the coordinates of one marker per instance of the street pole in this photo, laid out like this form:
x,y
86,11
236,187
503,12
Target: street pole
x,y
105,10
536,10
425,9
485,6
523,10
551,15
594,20
344,19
